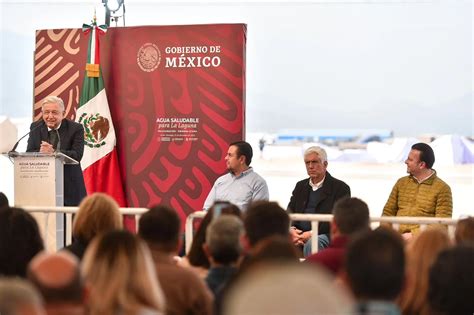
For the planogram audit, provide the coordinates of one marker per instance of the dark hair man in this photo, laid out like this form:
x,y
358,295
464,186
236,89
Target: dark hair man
x,y
3,201
375,270
264,219
20,241
315,195
451,282
54,132
241,185
464,233
350,216
420,194
57,278
185,292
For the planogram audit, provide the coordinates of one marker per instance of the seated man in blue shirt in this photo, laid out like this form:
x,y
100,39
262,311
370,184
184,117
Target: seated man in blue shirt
x,y
241,185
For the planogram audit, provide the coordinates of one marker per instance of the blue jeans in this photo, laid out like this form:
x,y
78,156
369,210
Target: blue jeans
x,y
323,242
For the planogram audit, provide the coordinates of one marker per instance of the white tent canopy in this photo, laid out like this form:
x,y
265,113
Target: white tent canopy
x,y
453,149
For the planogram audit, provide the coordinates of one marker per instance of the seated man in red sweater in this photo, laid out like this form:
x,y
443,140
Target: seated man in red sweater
x,y
350,216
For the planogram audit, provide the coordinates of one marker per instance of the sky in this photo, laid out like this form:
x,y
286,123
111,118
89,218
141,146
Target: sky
x,y
405,66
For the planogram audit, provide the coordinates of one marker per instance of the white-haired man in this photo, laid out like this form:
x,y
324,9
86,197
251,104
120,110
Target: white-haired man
x,y
315,195
55,132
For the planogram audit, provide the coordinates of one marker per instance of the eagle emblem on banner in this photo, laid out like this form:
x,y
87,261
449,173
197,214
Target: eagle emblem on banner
x,y
148,57
96,129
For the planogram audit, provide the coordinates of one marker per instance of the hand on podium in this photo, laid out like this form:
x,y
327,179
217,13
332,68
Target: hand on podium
x,y
46,147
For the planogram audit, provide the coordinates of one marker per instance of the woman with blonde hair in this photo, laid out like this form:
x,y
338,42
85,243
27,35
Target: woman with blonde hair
x,y
97,214
119,274
421,254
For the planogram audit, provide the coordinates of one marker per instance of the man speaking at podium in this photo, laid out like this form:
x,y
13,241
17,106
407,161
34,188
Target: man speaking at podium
x,y
56,133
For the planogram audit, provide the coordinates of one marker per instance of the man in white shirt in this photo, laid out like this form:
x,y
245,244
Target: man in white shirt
x,y
241,185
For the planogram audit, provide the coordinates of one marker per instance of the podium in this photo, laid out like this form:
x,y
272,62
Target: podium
x,y
38,178
38,181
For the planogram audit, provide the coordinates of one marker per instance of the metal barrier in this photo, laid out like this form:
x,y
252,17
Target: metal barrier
x,y
314,218
47,210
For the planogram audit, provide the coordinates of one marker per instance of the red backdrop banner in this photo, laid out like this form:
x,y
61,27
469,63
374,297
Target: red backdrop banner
x,y
177,97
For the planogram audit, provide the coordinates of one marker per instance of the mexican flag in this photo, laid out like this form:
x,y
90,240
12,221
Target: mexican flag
x,y
99,163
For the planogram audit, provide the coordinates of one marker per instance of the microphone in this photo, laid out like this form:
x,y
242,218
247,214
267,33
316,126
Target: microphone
x,y
58,147
18,142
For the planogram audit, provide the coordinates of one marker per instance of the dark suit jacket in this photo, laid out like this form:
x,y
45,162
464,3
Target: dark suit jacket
x,y
332,190
77,247
71,135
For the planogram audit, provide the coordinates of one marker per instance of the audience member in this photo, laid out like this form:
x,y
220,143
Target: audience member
x,y
3,201
223,249
421,254
451,282
241,185
57,277
286,288
18,297
185,292
422,193
264,219
98,213
272,249
375,271
315,195
465,231
120,278
350,216
196,259
20,241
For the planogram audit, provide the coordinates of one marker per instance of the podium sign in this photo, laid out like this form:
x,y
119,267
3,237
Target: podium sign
x,y
38,181
38,178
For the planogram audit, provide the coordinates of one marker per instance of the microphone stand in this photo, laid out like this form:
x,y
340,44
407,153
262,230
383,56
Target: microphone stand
x,y
58,147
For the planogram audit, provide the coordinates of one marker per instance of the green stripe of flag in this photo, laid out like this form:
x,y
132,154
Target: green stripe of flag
x,y
90,88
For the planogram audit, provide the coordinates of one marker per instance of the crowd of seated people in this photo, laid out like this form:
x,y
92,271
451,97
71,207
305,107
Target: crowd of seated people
x,y
248,265
196,258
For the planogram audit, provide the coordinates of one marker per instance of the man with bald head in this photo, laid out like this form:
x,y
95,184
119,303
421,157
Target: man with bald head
x,y
57,278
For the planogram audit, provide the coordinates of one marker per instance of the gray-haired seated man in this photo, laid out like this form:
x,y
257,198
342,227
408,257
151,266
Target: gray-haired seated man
x,y
315,195
223,249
